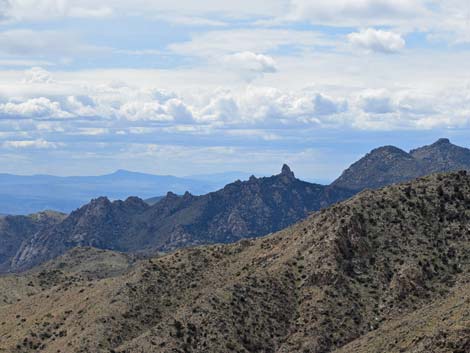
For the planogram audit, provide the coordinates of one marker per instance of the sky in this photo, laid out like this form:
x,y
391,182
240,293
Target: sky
x,y
186,87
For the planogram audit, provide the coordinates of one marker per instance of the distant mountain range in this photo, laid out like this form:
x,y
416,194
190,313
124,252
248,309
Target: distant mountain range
x,y
246,209
386,271
30,194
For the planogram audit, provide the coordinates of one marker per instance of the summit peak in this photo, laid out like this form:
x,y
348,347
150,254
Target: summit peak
x,y
442,141
287,171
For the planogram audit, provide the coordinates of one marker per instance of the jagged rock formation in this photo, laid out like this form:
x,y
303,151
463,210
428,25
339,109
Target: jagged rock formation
x,y
388,165
16,229
364,275
239,210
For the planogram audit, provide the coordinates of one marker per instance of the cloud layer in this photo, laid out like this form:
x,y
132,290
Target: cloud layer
x,y
139,82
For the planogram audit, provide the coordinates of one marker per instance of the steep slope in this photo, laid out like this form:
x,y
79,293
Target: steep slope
x,y
382,166
346,275
388,165
16,229
241,209
441,327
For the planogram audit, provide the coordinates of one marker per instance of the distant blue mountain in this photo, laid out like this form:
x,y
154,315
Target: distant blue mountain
x,y
28,194
221,178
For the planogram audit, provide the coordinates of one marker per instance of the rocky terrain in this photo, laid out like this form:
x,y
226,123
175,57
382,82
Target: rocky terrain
x,y
16,229
239,210
388,165
386,271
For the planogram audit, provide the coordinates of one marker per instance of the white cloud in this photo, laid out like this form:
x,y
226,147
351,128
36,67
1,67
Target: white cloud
x,y
129,108
37,75
34,108
35,144
376,102
373,40
171,111
250,65
325,105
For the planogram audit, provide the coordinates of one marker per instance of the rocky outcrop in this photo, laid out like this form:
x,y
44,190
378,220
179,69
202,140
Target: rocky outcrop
x,y
14,230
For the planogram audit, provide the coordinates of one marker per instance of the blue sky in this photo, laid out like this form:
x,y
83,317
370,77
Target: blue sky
x,y
184,87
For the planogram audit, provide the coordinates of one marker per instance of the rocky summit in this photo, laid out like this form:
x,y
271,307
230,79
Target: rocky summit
x,y
388,165
386,271
242,209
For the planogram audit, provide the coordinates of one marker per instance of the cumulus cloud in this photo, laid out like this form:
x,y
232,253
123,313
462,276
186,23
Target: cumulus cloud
x,y
250,65
222,107
37,75
130,109
325,105
376,102
34,108
373,40
170,111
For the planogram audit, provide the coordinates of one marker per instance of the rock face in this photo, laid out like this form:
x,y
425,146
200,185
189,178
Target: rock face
x,y
385,271
239,210
16,229
388,165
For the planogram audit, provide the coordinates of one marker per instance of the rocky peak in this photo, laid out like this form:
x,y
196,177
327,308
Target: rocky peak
x,y
287,172
388,151
101,201
442,141
136,202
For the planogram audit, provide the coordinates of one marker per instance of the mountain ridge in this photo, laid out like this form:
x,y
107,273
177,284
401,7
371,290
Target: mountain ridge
x,y
388,165
241,209
252,208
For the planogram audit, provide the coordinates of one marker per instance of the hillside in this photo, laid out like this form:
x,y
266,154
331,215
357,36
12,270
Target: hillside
x,y
239,210
389,165
16,229
370,274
